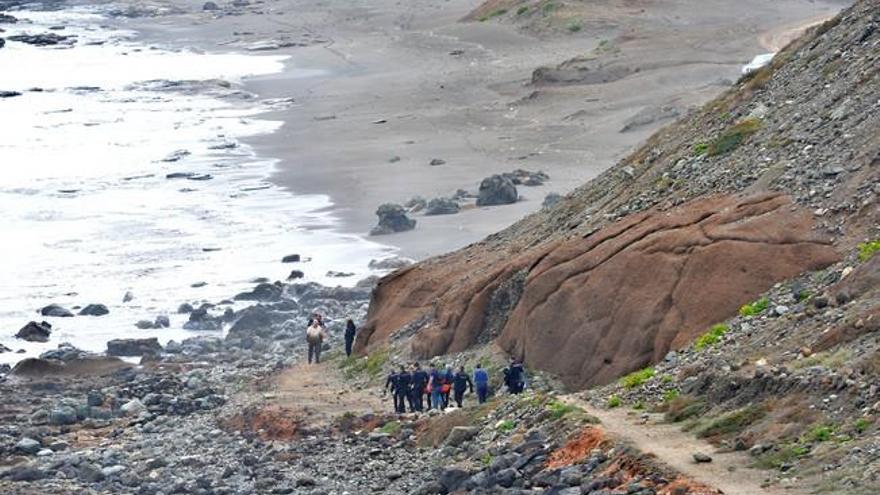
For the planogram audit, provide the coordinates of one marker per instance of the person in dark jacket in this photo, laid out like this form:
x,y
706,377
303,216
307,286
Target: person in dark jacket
x,y
516,377
461,383
391,384
481,381
350,331
403,392
419,382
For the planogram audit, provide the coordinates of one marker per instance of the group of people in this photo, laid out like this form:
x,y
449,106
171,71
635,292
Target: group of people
x,y
418,390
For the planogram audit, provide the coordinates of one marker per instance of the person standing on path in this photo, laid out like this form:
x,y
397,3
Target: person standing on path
x,y
419,383
460,383
403,392
481,380
350,331
435,385
392,383
516,377
315,336
446,391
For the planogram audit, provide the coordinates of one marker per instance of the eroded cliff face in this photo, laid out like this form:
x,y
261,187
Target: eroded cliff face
x,y
772,179
592,308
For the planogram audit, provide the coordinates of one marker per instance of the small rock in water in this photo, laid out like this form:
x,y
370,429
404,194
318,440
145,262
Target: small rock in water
x,y
291,258
8,94
210,6
57,311
127,297
94,310
35,332
437,161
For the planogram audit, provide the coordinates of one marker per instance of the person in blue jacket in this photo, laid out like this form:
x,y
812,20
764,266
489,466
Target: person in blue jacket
x,y
435,385
481,382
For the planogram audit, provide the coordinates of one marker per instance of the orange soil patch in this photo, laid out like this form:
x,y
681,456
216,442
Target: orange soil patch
x,y
267,423
578,449
683,486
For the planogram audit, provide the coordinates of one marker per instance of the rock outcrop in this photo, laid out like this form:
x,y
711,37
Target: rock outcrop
x,y
592,308
35,332
392,218
133,347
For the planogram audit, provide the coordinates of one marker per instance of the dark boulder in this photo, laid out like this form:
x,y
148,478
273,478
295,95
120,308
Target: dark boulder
x,y
497,190
256,320
7,94
57,311
442,206
200,319
392,218
7,19
35,332
295,274
291,258
209,6
46,39
2,42
185,308
94,310
262,292
133,347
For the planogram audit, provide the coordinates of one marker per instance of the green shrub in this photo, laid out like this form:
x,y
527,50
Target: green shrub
x,y
683,408
868,249
755,308
667,379
670,395
574,26
786,454
522,10
614,401
559,409
700,149
637,378
819,433
506,426
639,406
733,137
861,425
548,7
732,422
712,337
391,428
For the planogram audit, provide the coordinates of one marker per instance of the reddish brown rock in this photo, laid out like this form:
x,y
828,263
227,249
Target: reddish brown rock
x,y
594,308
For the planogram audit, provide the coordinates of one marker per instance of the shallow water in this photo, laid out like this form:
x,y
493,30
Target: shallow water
x,y
86,209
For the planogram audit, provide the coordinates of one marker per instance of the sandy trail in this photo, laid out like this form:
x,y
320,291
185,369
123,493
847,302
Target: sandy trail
x,y
321,393
728,472
777,39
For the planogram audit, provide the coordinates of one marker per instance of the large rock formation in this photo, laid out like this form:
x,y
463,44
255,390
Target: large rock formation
x,y
592,308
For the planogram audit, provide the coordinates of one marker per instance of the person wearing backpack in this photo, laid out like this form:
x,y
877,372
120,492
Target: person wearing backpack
x,y
481,380
446,389
315,336
419,383
435,385
461,383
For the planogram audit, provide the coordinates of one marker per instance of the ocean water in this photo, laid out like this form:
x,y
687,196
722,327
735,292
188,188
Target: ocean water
x,y
87,213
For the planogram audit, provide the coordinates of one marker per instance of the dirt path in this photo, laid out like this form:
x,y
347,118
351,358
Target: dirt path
x,y
728,472
321,393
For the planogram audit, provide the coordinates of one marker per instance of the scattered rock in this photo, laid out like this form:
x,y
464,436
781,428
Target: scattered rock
x,y
94,310
262,292
35,332
551,199
392,219
127,297
295,274
291,258
701,458
45,39
133,407
133,347
28,446
442,206
56,311
436,161
7,94
497,190
210,6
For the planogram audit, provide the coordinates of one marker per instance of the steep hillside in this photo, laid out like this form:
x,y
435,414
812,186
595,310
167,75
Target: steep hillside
x,y
777,177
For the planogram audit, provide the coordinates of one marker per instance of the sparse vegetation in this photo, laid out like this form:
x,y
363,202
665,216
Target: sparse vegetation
x,y
785,454
700,149
522,10
819,433
683,408
831,360
754,308
506,426
391,428
371,365
861,425
559,409
574,26
733,137
548,7
712,337
493,14
670,395
637,378
732,422
614,401
868,249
